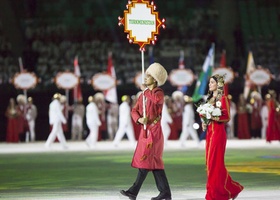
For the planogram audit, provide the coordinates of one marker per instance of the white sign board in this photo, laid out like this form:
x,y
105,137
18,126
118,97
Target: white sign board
x,y
66,80
181,77
25,80
260,77
103,81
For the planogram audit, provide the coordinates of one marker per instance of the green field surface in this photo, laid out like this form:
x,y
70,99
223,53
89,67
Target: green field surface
x,y
79,172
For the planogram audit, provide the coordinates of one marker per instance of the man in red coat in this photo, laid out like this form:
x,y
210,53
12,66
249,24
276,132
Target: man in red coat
x,y
148,154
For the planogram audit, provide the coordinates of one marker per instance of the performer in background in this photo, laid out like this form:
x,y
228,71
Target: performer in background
x,y
31,116
166,120
188,121
148,153
102,108
56,118
93,122
125,122
243,129
112,120
264,116
273,126
22,121
177,114
77,124
12,114
255,120
231,122
220,185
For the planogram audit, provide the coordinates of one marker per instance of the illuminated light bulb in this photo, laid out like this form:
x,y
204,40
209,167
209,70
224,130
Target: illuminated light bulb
x,y
196,126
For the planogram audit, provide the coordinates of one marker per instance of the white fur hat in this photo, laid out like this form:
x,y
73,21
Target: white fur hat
x,y
99,96
21,98
158,72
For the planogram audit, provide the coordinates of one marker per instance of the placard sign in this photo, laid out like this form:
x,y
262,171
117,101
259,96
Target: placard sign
x,y
66,80
141,22
260,76
181,77
25,80
227,71
103,81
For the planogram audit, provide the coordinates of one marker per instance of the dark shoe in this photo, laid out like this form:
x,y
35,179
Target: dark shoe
x,y
128,194
162,196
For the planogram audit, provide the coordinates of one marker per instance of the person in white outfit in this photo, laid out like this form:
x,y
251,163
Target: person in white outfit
x,y
56,118
166,120
93,122
230,124
125,122
188,121
264,116
31,116
77,120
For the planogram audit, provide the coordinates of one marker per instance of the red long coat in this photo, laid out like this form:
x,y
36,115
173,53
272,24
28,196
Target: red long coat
x,y
149,150
219,185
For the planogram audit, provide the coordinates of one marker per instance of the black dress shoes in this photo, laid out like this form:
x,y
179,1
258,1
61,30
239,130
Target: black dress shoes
x,y
162,196
128,194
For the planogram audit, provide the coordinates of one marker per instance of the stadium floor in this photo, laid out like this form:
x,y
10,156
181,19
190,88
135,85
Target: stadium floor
x,y
178,194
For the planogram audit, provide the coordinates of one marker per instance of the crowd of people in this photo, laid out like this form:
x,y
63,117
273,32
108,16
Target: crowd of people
x,y
251,118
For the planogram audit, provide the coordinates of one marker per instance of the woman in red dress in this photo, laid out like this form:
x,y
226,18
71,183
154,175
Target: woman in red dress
x,y
220,185
12,114
273,127
243,130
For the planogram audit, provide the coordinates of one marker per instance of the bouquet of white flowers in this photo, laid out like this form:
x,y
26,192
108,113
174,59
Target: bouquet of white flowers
x,y
207,111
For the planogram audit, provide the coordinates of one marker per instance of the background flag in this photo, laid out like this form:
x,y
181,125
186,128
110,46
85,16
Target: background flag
x,y
223,64
77,92
204,76
181,65
111,94
250,68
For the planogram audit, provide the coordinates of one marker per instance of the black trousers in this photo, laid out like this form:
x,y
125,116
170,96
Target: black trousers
x,y
160,179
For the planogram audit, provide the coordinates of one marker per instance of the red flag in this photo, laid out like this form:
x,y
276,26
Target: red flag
x,y
77,92
223,64
111,94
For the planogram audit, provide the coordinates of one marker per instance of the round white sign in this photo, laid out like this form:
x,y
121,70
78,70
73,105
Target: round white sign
x,y
66,80
229,74
181,77
260,77
25,80
103,81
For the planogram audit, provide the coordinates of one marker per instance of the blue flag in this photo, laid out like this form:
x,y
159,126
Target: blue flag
x,y
204,76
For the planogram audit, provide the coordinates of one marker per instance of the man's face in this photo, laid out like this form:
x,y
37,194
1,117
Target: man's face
x,y
149,80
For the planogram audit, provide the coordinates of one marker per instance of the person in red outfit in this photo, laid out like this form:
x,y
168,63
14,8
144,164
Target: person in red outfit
x,y
148,153
12,113
220,185
273,125
243,128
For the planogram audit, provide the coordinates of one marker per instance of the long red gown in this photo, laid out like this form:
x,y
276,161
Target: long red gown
x,y
273,127
12,132
243,130
220,185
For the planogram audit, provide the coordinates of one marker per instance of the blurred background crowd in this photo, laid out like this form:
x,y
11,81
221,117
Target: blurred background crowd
x,y
48,34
